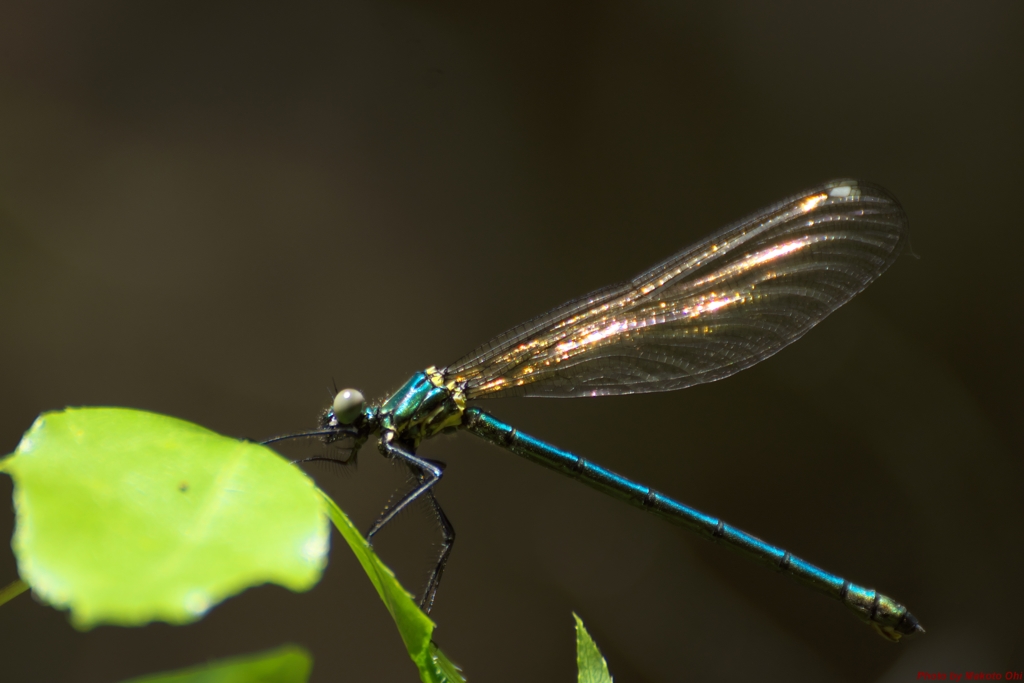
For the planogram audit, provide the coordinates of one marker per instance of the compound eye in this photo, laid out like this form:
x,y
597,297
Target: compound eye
x,y
348,405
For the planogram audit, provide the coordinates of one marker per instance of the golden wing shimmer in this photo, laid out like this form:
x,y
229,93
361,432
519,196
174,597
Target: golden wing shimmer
x,y
708,312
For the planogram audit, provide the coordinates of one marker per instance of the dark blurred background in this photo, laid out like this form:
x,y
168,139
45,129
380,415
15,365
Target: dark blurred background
x,y
214,210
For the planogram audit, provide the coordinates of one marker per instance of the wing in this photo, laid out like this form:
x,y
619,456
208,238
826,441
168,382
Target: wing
x,y
708,312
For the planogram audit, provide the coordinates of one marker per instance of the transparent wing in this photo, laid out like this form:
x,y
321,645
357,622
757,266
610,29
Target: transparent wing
x,y
711,310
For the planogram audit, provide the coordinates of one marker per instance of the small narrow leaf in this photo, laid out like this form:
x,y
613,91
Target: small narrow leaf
x,y
447,671
591,665
414,626
126,517
286,664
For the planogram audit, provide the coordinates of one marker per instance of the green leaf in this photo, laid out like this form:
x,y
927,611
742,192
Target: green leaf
x,y
414,626
287,664
126,517
591,665
445,671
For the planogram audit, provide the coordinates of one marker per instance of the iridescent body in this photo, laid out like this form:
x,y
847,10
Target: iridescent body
x,y
425,406
708,312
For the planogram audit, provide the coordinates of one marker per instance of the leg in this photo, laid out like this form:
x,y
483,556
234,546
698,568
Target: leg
x,y
350,461
427,473
447,541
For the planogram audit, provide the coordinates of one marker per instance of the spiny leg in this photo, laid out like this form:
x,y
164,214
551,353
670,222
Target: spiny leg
x,y
447,541
351,461
427,474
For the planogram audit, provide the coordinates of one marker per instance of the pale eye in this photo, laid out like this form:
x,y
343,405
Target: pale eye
x,y
348,405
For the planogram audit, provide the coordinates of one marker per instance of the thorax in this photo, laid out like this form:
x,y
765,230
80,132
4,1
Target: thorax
x,y
425,405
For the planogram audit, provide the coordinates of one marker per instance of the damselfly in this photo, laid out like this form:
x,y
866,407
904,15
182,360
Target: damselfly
x,y
711,310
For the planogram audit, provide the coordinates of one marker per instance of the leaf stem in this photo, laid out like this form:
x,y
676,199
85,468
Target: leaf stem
x,y
12,590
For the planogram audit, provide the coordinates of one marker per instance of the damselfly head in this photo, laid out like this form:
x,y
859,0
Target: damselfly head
x,y
348,406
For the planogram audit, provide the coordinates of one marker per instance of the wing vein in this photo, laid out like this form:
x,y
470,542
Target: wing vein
x,y
715,308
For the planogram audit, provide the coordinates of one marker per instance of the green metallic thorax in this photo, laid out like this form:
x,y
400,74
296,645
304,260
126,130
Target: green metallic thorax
x,y
425,406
